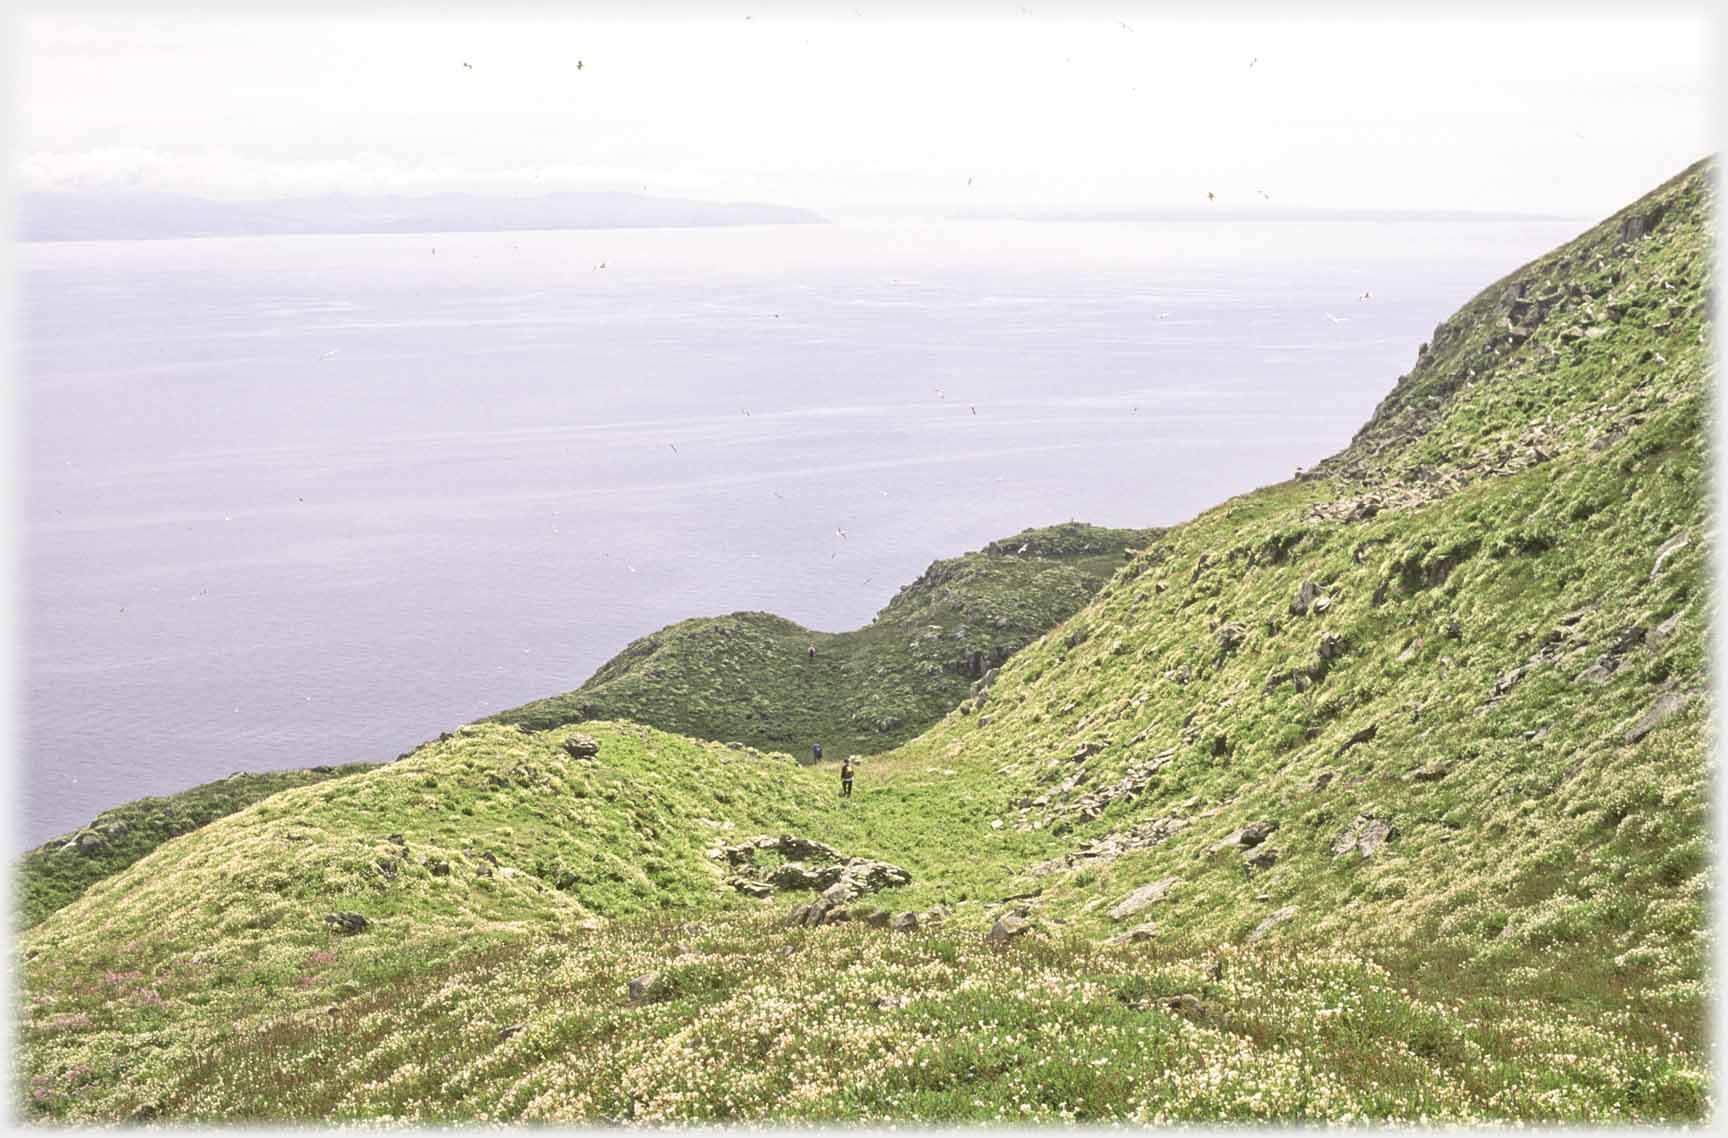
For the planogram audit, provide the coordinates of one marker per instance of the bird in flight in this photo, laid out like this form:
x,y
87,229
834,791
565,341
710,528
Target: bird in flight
x,y
1337,319
1210,196
329,353
1264,194
1366,296
468,65
1253,61
841,532
974,410
1124,25
674,447
1162,315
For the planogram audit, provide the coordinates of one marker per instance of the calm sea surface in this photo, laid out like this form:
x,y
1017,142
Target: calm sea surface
x,y
295,500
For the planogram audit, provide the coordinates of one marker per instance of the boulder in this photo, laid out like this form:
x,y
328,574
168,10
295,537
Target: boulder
x,y
876,918
799,915
1263,858
1008,927
513,1030
905,922
1304,599
581,746
642,989
347,923
1247,837
438,868
1186,1004
1663,632
1143,897
1135,935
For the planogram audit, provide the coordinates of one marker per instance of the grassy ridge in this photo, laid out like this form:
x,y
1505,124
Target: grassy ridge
x,y
748,677
58,871
1455,682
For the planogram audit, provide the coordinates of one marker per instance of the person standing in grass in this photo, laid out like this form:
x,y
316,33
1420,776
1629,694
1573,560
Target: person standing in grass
x,y
846,777
815,752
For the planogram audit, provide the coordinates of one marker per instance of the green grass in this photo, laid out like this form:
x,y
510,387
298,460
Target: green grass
x,y
57,872
748,677
1529,944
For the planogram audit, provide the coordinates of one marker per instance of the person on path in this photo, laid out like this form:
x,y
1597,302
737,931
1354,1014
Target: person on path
x,y
815,752
846,777
812,652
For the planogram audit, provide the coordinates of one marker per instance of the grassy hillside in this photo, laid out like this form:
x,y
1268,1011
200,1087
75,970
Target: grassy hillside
x,y
748,677
1380,794
58,871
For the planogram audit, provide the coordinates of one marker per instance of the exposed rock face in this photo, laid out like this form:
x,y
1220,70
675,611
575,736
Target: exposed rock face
x,y
1143,897
1008,927
1363,835
905,922
1365,735
841,878
1304,599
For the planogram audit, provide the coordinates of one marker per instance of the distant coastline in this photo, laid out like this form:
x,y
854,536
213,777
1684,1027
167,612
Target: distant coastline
x,y
1274,213
110,216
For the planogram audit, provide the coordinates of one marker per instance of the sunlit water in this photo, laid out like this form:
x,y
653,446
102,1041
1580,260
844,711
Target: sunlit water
x,y
295,500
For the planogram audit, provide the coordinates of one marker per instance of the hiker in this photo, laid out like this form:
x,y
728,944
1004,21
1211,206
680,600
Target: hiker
x,y
815,752
846,777
812,651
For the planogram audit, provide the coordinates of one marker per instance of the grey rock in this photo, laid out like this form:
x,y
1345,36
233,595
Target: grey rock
x,y
1331,646
514,1029
1136,935
1664,709
1304,599
1669,548
1186,1004
1663,632
581,746
643,989
1007,928
1143,897
799,915
1598,673
1280,917
905,922
1364,835
876,918
1247,837
793,875
347,923
1260,859
438,868
1433,772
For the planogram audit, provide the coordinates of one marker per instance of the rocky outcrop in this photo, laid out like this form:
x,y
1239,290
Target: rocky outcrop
x,y
1112,846
1364,835
581,746
1281,916
1007,927
347,924
1143,897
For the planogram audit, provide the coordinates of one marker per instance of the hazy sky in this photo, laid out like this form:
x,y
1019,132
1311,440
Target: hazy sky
x,y
870,114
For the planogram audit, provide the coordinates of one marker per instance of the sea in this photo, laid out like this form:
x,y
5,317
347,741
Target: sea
x,y
314,499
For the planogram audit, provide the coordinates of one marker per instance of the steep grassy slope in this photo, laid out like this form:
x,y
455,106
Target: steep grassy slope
x,y
748,677
58,871
1398,772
